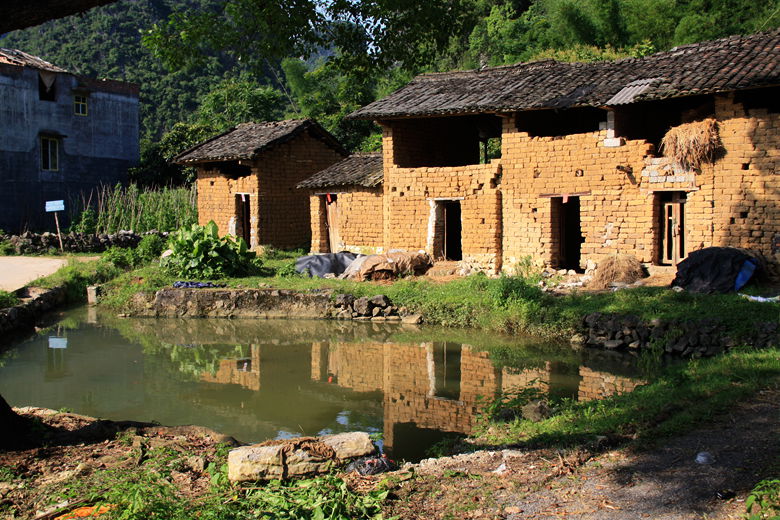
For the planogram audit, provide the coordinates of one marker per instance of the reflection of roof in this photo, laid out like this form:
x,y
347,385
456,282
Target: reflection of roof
x,y
18,14
248,140
22,59
723,65
361,169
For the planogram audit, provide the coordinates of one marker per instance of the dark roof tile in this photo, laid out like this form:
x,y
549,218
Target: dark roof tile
x,y
721,65
361,169
248,140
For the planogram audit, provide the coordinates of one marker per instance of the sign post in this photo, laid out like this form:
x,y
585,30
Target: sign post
x,y
55,206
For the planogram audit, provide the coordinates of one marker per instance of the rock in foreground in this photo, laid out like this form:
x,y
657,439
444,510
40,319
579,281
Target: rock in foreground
x,y
296,457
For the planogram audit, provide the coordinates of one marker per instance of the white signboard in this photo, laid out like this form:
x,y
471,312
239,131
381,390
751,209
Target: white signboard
x,y
55,342
55,205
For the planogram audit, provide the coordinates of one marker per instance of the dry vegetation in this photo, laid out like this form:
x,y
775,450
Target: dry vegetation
x,y
691,144
618,268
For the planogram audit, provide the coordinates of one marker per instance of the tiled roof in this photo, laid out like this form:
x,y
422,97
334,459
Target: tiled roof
x,y
22,59
248,140
728,64
361,169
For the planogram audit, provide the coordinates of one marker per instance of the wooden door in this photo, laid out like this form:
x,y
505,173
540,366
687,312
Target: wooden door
x,y
334,237
673,230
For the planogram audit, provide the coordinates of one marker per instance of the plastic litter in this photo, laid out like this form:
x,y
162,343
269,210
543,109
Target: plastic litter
x,y
705,457
762,299
197,285
372,465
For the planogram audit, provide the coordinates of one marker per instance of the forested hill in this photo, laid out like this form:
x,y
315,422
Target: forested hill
x,y
106,43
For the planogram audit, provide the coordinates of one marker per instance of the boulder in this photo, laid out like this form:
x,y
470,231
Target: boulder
x,y
412,319
362,307
291,459
536,411
380,300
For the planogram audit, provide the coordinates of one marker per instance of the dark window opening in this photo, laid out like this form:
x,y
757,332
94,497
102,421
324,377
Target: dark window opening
x,y
553,123
243,219
651,121
231,169
567,236
50,154
244,365
671,239
47,93
447,232
768,98
446,366
446,142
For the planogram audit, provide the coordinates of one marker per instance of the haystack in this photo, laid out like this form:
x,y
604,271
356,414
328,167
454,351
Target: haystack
x,y
618,268
691,144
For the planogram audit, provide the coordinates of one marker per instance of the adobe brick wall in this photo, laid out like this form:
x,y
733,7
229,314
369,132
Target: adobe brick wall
x,y
279,211
360,222
507,205
230,373
408,209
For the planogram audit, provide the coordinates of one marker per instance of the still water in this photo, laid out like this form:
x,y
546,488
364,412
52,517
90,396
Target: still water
x,y
267,379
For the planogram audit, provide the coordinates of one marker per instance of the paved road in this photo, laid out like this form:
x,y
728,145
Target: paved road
x,y
18,271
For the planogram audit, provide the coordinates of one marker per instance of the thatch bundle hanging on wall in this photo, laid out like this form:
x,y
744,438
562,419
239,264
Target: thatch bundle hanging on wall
x,y
691,144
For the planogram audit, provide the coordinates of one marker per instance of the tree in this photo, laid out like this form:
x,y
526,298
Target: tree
x,y
365,34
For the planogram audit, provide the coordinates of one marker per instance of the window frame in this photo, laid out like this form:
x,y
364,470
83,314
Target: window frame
x,y
77,103
46,153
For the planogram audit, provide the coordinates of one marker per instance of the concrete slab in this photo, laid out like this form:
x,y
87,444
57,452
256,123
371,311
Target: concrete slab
x,y
18,271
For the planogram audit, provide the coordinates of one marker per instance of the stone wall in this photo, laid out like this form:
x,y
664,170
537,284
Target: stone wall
x,y
279,212
360,220
40,243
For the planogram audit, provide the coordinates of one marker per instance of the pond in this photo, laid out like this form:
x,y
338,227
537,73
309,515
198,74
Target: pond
x,y
269,379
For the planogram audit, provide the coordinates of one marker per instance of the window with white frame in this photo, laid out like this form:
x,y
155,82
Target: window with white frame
x,y
50,154
80,105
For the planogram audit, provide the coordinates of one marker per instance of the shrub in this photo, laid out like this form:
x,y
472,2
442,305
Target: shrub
x,y
121,257
199,252
149,249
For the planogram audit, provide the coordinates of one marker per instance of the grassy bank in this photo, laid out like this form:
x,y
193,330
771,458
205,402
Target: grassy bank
x,y
511,304
673,401
76,276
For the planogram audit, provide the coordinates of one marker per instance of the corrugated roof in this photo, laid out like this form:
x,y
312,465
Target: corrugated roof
x,y
248,140
22,59
728,64
361,169
632,91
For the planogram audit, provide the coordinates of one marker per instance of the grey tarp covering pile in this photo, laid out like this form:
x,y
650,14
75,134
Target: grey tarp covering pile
x,y
362,267
329,263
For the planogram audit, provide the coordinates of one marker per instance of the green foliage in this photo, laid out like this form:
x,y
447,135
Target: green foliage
x,y
6,248
149,249
238,100
121,257
508,405
108,210
199,252
7,299
763,503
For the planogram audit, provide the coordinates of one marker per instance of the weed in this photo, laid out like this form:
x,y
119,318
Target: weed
x,y
763,503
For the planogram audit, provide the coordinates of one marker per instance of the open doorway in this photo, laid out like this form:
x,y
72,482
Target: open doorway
x,y
671,237
566,233
447,241
243,217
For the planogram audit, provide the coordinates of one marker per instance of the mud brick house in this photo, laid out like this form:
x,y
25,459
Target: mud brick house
x,y
60,134
247,179
346,205
578,174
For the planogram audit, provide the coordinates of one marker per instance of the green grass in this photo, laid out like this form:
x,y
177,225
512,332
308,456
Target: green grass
x,y
676,400
76,276
7,299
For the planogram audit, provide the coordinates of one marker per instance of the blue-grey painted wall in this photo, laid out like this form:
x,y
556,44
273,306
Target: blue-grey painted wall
x,y
94,149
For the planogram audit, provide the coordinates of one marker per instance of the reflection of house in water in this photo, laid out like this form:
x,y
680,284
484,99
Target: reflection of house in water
x,y
241,371
433,387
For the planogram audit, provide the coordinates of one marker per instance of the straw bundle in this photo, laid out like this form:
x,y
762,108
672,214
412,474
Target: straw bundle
x,y
618,268
691,144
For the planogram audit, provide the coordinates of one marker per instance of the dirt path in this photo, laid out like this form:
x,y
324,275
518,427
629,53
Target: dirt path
x,y
664,483
18,271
